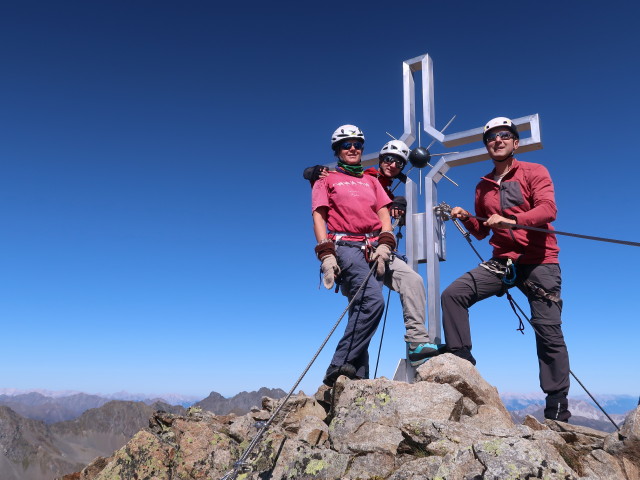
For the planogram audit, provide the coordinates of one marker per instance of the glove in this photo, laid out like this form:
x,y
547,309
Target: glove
x,y
399,203
313,173
330,270
399,207
381,256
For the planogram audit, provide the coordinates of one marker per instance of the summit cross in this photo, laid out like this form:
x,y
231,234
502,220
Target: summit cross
x,y
426,230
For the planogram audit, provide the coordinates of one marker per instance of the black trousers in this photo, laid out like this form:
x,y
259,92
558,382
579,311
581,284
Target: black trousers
x,y
479,283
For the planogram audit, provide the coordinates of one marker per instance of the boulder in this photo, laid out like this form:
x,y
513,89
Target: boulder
x,y
450,370
449,424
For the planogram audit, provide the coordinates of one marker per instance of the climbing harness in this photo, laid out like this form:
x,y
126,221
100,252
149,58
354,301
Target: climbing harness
x,y
242,465
444,211
339,235
506,270
364,244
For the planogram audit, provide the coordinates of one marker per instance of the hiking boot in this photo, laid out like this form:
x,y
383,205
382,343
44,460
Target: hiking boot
x,y
334,371
465,353
419,353
557,407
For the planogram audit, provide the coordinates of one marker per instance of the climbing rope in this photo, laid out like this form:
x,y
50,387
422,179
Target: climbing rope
x,y
386,307
242,466
513,303
557,232
570,371
384,324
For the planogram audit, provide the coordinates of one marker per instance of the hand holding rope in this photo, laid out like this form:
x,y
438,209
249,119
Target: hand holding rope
x,y
444,210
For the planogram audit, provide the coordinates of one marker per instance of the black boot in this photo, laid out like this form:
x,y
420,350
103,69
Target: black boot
x,y
465,353
334,371
557,407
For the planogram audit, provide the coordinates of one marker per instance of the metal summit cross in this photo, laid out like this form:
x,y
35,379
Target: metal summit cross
x,y
426,230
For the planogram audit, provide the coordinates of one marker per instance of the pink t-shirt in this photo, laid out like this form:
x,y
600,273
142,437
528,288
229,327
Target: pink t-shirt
x,y
353,202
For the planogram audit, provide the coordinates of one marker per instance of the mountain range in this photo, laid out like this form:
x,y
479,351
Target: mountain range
x,y
169,398
34,450
450,423
44,435
583,410
618,404
240,403
48,434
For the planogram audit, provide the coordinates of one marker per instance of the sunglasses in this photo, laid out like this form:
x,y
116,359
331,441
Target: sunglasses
x,y
503,136
348,145
390,159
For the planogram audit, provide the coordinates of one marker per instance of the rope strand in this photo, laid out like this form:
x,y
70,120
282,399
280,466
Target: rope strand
x,y
568,234
241,464
466,235
386,308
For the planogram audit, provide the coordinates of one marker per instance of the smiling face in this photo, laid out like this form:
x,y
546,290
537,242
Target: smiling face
x,y
352,155
500,148
388,169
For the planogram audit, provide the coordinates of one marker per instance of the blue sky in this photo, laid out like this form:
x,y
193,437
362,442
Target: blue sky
x,y
156,231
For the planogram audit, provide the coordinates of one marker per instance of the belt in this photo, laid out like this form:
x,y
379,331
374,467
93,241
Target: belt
x,y
338,236
351,243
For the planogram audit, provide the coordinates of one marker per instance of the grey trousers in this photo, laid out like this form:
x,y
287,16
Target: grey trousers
x,y
401,278
364,314
478,284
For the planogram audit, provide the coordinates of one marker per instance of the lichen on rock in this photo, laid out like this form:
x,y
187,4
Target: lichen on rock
x,y
449,424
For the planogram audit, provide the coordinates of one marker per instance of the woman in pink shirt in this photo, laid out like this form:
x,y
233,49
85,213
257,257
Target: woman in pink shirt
x,y
352,227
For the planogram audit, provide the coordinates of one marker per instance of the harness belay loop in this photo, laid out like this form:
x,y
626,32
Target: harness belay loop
x,y
504,270
507,272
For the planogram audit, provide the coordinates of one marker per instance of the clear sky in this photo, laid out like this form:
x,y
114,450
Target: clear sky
x,y
155,227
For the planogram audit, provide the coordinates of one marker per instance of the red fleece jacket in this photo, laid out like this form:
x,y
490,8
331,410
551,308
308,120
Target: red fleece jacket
x,y
526,194
384,181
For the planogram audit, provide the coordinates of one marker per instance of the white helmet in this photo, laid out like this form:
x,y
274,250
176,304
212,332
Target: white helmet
x,y
395,147
499,122
344,132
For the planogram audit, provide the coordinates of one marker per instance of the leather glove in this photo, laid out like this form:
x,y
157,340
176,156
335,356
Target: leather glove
x,y
399,203
330,270
398,209
313,173
381,255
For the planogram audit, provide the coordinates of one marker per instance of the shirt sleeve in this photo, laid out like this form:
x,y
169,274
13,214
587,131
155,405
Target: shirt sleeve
x,y
319,195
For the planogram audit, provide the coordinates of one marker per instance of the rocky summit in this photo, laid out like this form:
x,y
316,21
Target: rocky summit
x,y
449,424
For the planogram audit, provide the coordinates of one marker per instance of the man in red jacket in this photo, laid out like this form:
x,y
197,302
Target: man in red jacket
x,y
522,193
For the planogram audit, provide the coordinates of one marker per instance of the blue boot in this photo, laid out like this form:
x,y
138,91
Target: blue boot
x,y
419,353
